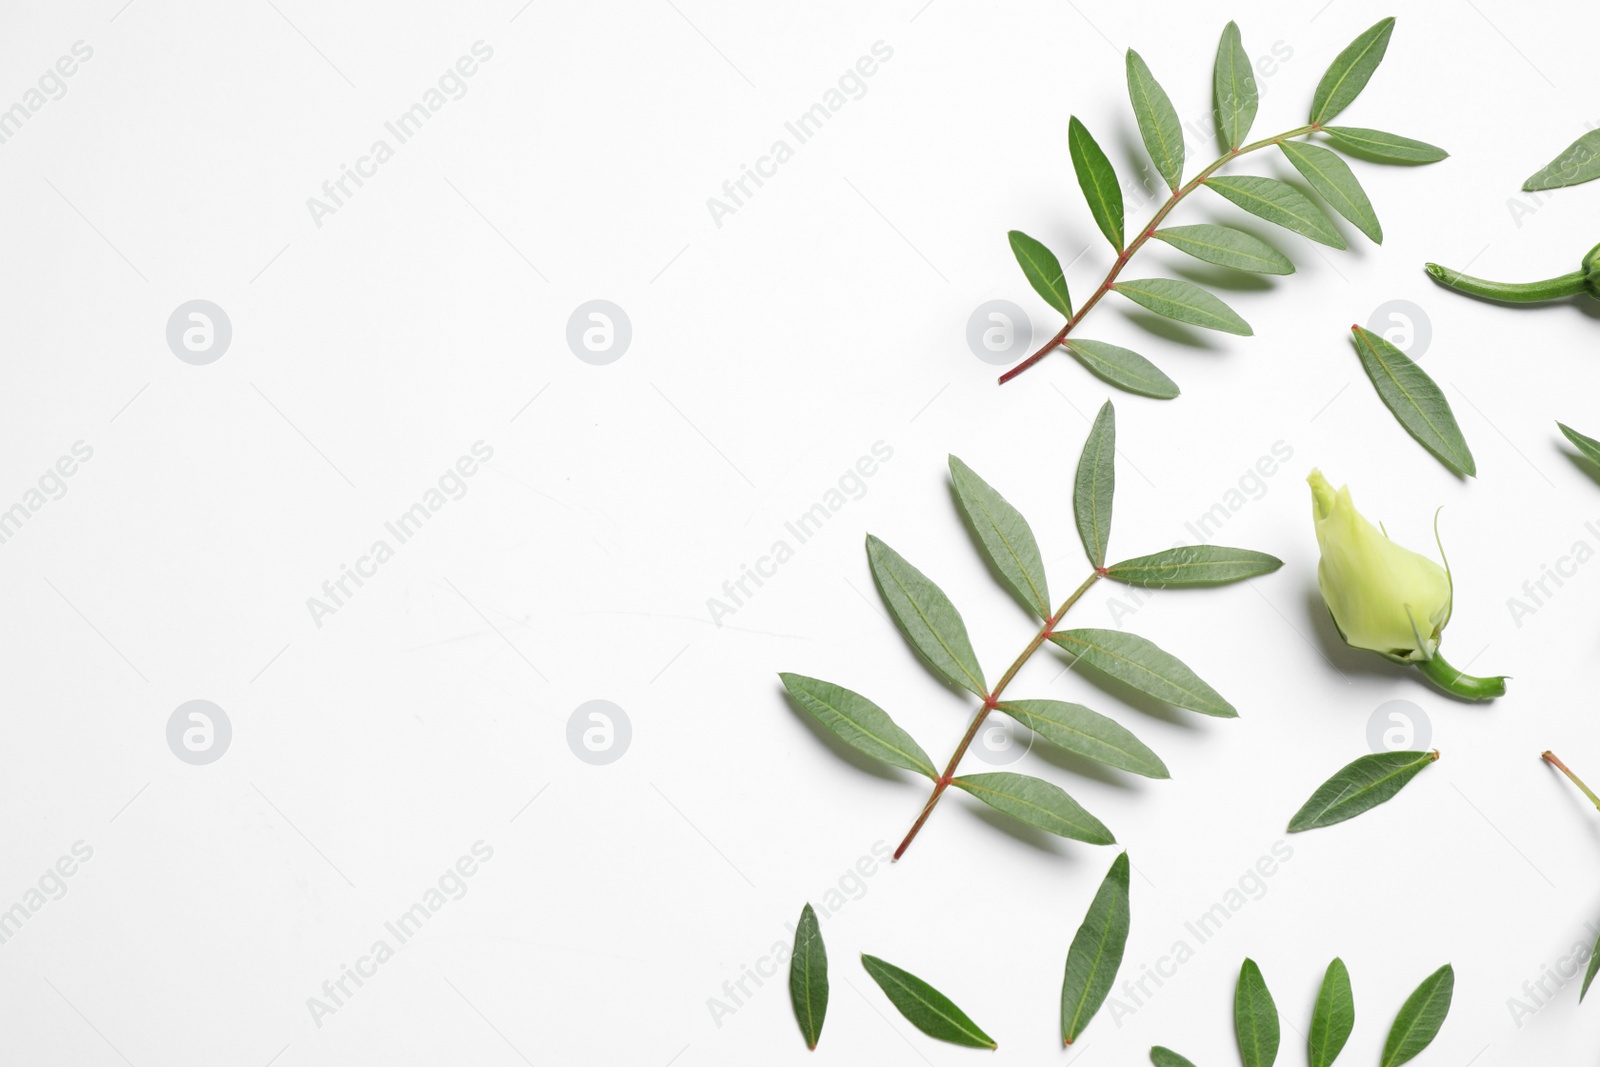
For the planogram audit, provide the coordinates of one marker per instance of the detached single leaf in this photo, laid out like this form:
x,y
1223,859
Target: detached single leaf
x,y
1333,180
1140,663
1096,952
1005,535
1281,204
859,722
1358,787
1420,1017
1194,565
1098,179
1043,271
924,1006
1158,121
1088,733
1350,72
1096,484
808,977
930,622
1185,302
1165,1057
1123,368
1334,1018
1578,164
1226,247
1384,147
1594,968
1234,85
1255,1018
1037,803
1415,400
1586,445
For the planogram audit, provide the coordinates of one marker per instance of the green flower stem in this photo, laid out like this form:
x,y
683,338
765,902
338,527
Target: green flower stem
x,y
1511,292
1145,235
1466,686
989,703
1550,758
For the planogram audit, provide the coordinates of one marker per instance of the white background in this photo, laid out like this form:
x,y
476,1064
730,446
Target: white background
x,y
768,354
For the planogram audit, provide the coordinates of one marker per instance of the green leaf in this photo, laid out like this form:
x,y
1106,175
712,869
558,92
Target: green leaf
x,y
1415,400
1088,733
1350,72
1333,180
1037,803
1005,536
1185,302
1096,484
808,977
1420,1017
1194,565
1578,164
1158,121
1334,1018
1359,786
1043,271
1281,204
1123,368
1096,952
1140,663
930,622
1165,1057
1594,968
1384,147
1255,1018
859,722
924,1006
1587,445
1098,180
1226,247
1234,85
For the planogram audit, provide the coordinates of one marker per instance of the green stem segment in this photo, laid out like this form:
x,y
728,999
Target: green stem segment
x,y
990,701
1145,235
1466,686
1550,758
1511,292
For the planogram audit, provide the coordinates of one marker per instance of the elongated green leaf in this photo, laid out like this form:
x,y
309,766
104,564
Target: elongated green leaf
x,y
1098,179
924,1006
859,722
930,622
1165,1057
1333,180
1226,247
1350,72
1194,565
1043,271
1037,803
1158,121
1586,445
1088,733
1234,85
1358,787
1594,968
1096,952
808,977
1279,203
1334,1018
1185,302
1420,1017
1255,1018
1139,662
1578,164
1096,484
1419,404
1123,368
1005,536
1384,147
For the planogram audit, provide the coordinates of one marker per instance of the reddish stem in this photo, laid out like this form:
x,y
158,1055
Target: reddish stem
x,y
1550,758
